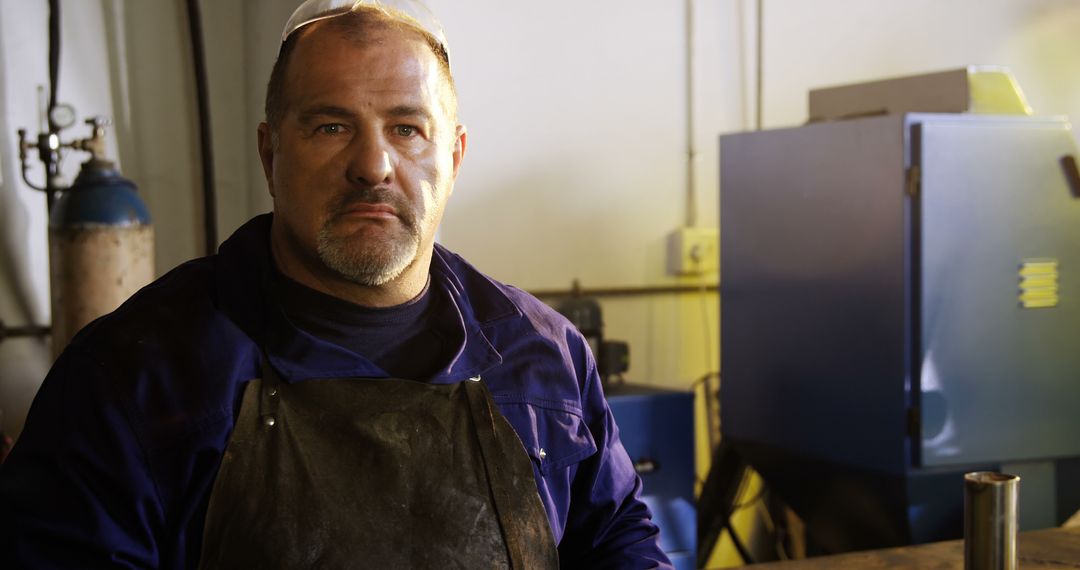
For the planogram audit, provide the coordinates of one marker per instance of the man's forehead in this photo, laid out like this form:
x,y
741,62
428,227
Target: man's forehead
x,y
411,13
377,54
397,69
362,33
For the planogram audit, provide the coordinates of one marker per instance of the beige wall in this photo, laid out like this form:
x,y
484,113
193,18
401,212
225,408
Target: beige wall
x,y
826,42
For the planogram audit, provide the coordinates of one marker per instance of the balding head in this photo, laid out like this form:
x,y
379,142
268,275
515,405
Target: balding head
x,y
361,25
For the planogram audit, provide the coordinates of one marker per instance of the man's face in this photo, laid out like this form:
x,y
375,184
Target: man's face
x,y
364,159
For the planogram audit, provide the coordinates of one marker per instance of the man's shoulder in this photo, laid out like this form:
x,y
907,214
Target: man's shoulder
x,y
176,312
543,354
496,301
168,355
165,298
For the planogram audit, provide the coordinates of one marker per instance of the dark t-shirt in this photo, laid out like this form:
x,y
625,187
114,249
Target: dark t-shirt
x,y
403,340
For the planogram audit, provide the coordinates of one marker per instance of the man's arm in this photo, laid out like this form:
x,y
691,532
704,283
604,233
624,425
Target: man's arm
x,y
76,491
608,526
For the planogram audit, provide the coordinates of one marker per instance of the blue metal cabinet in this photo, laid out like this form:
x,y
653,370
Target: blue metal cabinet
x,y
657,429
875,338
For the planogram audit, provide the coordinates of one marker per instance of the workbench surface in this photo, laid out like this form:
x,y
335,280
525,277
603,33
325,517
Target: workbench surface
x,y
1057,548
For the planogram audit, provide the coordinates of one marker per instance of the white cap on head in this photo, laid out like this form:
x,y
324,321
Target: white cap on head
x,y
411,11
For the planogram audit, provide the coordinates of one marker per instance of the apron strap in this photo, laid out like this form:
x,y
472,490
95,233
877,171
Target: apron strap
x,y
513,531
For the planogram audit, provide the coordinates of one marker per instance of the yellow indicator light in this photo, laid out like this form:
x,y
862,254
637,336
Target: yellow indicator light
x,y
1032,269
1038,295
1040,303
1038,283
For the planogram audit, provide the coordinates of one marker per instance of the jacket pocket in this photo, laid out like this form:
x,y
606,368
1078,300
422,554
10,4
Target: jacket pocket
x,y
553,433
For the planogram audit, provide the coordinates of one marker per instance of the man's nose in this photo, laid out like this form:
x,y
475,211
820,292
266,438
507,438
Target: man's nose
x,y
369,160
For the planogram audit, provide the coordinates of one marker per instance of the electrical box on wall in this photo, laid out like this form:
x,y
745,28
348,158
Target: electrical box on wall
x,y
693,251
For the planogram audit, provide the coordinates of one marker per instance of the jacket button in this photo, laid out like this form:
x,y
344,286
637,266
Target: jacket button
x,y
271,392
474,379
269,421
542,454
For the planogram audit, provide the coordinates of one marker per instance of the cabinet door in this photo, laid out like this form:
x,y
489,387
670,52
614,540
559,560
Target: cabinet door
x,y
999,381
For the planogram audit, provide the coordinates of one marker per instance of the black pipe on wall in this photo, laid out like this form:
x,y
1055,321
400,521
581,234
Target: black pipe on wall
x,y
206,147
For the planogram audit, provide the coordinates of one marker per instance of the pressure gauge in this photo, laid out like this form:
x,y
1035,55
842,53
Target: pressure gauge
x,y
62,115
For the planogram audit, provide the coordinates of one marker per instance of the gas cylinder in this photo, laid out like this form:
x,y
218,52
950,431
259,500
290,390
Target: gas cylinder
x,y
101,246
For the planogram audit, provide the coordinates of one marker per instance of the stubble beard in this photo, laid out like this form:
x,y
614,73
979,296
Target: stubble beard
x,y
364,260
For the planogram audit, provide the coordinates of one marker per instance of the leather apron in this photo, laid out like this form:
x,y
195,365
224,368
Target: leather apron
x,y
374,473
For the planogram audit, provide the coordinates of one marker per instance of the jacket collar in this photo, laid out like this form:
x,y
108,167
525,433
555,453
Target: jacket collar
x,y
244,267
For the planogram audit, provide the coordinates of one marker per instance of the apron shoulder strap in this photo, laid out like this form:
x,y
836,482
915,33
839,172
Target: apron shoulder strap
x,y
524,521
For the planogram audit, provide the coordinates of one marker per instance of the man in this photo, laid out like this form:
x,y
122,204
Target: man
x,y
332,389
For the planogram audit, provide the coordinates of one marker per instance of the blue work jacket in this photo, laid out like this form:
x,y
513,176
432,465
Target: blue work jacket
x,y
122,444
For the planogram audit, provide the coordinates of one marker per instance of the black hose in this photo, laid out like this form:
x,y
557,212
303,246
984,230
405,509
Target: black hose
x,y
744,552
718,501
7,332
198,57
52,167
54,58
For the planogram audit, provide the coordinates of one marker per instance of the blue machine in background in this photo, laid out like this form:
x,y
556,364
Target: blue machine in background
x,y
900,307
657,428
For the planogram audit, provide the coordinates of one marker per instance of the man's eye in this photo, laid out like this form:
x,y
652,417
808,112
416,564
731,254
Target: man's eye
x,y
405,131
331,129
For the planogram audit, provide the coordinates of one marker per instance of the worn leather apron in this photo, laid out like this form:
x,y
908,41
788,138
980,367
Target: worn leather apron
x,y
372,473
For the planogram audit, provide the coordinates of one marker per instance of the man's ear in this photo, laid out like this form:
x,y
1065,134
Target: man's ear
x,y
266,154
460,142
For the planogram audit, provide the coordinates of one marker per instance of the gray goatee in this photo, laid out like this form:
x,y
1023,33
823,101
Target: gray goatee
x,y
369,262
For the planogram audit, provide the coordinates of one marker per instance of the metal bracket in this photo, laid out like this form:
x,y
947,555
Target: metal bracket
x,y
912,180
1072,173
